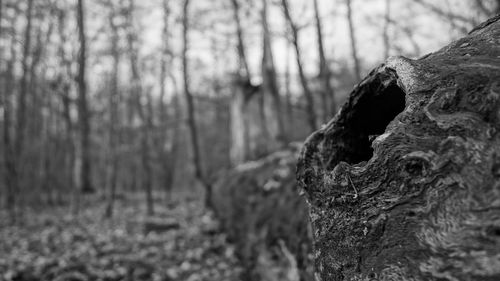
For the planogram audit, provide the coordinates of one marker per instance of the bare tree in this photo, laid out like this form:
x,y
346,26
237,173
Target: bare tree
x,y
113,99
328,93
84,150
457,21
243,63
23,91
387,22
352,32
191,117
269,80
240,142
66,101
288,91
144,115
311,116
10,172
168,152
1,14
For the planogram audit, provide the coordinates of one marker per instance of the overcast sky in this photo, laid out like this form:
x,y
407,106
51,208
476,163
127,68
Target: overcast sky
x,y
212,21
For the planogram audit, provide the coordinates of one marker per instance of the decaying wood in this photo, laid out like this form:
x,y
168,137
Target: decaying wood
x,y
404,183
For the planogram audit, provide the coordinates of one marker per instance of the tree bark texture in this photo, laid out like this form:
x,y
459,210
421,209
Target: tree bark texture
x,y
404,183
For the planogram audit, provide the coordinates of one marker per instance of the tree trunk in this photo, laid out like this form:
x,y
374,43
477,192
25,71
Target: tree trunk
x,y
83,111
385,34
239,151
288,92
64,89
169,153
11,177
269,80
1,14
113,99
144,115
23,91
191,118
352,33
244,70
403,183
311,116
22,104
327,93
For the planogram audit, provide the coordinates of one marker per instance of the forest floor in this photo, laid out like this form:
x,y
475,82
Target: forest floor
x,y
181,242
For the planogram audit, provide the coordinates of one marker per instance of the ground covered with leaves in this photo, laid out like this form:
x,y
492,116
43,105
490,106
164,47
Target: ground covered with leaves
x,y
181,242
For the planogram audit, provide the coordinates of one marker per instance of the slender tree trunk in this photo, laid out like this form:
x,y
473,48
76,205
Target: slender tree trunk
x,y
146,126
11,177
40,124
311,115
22,108
1,14
146,154
243,63
191,118
112,167
288,92
269,80
169,153
352,32
240,151
66,102
387,22
23,91
83,111
18,146
328,93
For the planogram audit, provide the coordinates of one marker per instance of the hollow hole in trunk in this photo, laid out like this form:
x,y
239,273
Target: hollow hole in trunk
x,y
381,101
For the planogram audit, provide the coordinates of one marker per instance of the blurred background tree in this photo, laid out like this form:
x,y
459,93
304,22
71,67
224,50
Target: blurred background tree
x,y
92,99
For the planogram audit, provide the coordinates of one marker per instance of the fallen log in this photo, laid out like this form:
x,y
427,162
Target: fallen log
x,y
404,182
259,208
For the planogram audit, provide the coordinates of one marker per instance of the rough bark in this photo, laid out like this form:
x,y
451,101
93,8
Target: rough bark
x,y
403,184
